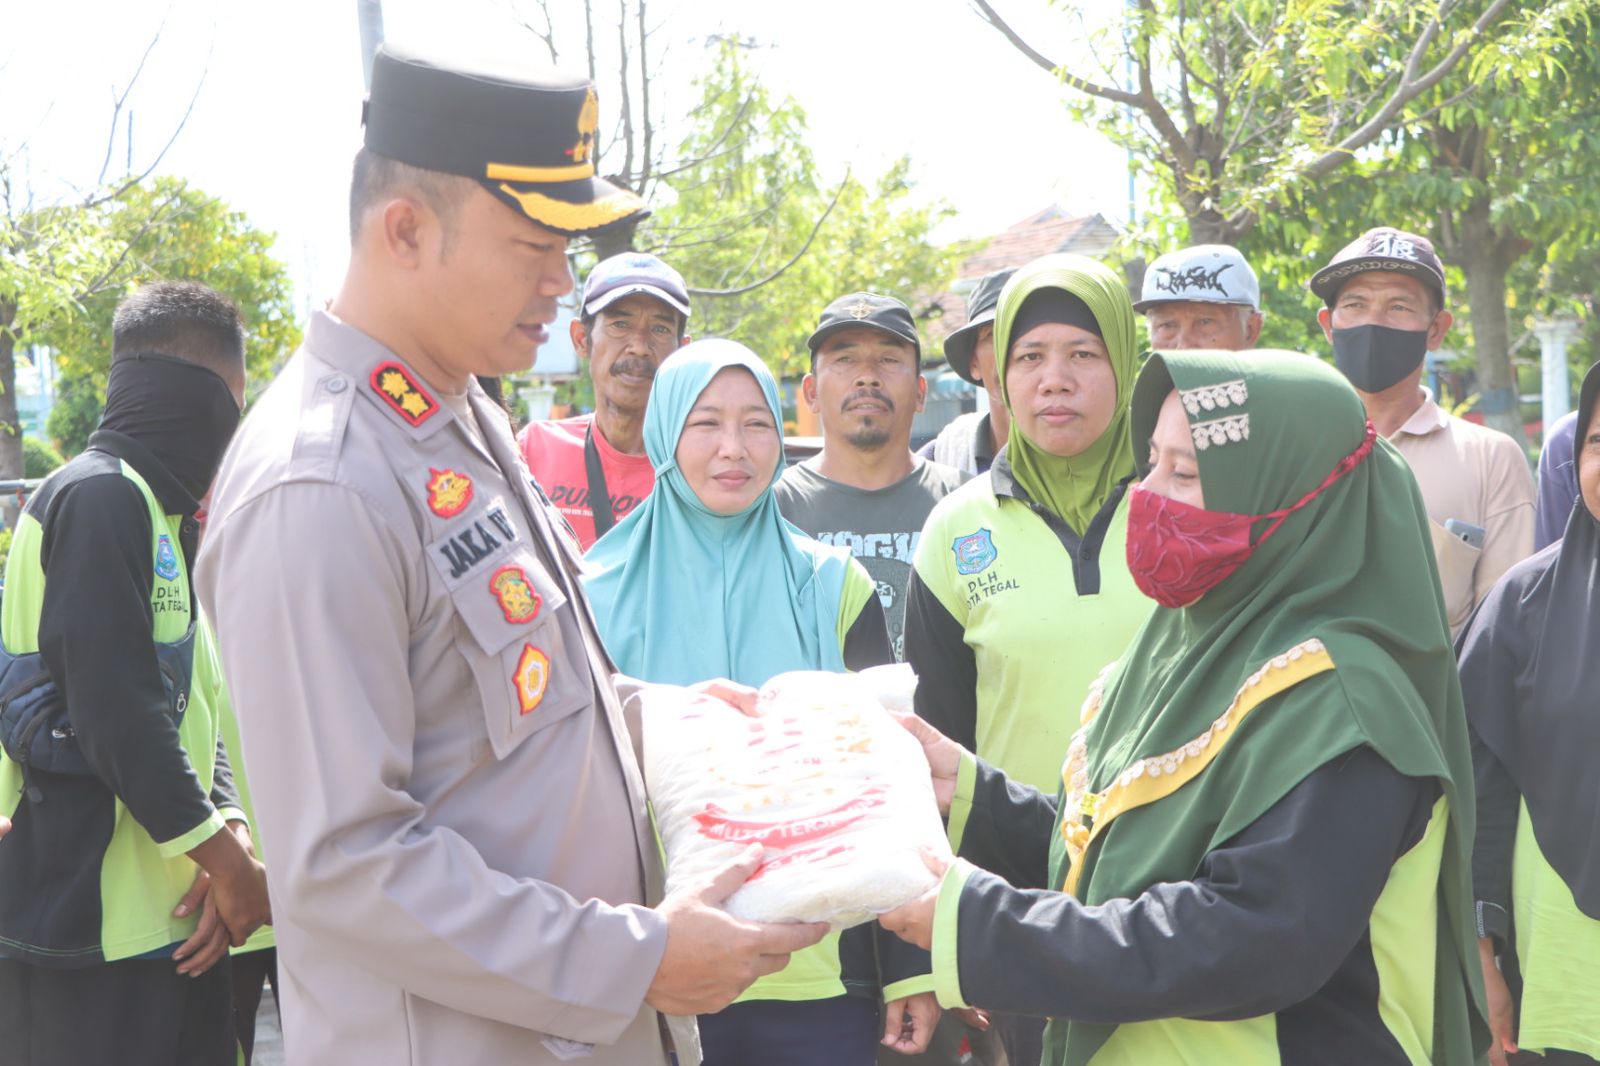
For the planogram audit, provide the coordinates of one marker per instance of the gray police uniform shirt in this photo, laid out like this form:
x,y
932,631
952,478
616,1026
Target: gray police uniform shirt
x,y
881,527
442,773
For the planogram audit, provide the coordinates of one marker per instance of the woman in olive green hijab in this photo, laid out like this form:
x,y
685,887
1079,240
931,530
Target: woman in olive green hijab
x,y
1258,851
1020,589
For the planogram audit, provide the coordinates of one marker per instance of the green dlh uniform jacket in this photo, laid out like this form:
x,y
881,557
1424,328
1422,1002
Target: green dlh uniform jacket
x,y
98,576
1020,593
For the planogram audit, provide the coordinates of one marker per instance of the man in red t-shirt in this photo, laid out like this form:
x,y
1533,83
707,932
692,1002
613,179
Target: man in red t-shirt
x,y
593,467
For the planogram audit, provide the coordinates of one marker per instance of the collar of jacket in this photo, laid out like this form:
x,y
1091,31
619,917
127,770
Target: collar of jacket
x,y
174,498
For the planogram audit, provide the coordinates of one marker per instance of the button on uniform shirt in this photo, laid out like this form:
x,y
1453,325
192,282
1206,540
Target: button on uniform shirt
x,y
442,774
1477,476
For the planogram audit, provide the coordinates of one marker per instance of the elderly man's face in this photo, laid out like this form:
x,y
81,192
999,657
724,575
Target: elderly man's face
x,y
1180,324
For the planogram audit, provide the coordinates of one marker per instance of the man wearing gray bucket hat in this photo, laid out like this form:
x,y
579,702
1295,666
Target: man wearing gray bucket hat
x,y
970,442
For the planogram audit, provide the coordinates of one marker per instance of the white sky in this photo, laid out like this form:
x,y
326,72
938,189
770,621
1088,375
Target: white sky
x,y
276,120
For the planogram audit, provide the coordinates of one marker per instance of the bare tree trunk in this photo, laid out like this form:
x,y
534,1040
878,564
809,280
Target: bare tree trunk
x,y
10,429
1210,227
614,241
1486,258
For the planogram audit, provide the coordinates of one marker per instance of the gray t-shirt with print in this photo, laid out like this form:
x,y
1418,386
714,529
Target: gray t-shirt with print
x,y
881,527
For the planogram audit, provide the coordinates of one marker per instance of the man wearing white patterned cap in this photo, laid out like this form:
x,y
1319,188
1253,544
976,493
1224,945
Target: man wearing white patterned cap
x,y
1205,296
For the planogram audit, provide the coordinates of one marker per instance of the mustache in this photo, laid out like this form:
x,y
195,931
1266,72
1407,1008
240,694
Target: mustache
x,y
634,366
868,394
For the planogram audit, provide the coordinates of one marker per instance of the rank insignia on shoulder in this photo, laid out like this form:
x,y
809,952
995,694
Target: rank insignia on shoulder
x,y
396,386
531,678
518,602
449,492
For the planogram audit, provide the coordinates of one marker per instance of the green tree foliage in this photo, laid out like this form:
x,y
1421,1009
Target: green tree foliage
x,y
168,231
39,458
1230,106
764,243
51,258
1497,169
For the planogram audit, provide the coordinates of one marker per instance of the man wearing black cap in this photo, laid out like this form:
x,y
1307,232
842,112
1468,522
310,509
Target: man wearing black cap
x,y
969,443
866,490
1386,309
463,863
593,467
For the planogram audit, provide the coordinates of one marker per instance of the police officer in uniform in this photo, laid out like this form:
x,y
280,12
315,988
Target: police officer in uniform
x,y
463,867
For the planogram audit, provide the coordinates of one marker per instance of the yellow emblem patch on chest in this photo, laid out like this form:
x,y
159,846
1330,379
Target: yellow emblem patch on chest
x,y
449,492
531,679
511,589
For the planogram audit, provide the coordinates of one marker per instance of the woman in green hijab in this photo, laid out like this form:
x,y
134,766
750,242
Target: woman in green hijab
x,y
1020,590
1258,851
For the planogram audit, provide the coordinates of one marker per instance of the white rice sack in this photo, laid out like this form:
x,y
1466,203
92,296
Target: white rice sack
x,y
834,789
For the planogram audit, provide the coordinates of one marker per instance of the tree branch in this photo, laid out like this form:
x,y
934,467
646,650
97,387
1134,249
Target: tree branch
x,y
105,196
548,34
644,99
812,236
715,149
588,35
1411,86
120,100
627,96
1248,114
992,17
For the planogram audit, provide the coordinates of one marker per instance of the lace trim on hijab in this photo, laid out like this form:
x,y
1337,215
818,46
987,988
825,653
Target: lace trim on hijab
x,y
1220,431
1214,397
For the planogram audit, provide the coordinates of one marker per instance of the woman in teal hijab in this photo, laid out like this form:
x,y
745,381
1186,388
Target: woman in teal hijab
x,y
705,579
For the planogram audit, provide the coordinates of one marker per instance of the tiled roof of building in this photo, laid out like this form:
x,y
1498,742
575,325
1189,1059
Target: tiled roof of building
x,y
1047,231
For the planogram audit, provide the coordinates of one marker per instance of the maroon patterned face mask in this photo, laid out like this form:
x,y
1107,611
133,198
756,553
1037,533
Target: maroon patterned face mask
x,y
1177,553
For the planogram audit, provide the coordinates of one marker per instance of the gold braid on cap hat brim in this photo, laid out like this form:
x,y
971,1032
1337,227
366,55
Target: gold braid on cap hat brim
x,y
561,215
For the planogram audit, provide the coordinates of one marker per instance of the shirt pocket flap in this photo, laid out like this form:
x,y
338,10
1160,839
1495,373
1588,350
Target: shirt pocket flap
x,y
526,653
507,597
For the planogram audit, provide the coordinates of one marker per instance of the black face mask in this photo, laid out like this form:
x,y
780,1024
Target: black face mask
x,y
184,413
1376,357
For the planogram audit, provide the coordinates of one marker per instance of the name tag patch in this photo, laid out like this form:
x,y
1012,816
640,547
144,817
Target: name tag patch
x,y
474,541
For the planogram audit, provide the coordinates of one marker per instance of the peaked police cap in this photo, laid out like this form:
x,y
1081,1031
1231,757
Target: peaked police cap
x,y
527,135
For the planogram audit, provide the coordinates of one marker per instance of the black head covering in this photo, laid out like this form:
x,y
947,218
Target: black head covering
x,y
184,413
1051,304
1532,684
